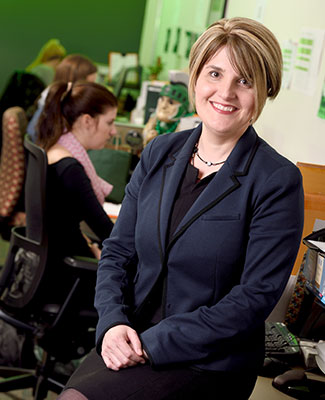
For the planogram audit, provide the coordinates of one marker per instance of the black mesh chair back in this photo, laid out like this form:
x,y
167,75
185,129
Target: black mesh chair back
x,y
28,247
35,189
41,294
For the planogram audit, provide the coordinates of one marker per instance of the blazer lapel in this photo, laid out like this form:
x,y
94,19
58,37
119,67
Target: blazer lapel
x,y
225,181
172,175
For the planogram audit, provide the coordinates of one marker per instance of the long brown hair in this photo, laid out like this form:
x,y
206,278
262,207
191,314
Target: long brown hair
x,y
74,67
66,102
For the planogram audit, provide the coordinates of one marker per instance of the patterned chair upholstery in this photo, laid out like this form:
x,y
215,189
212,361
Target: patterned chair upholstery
x,y
12,170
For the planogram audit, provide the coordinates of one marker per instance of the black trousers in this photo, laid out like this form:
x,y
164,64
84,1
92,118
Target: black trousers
x,y
142,382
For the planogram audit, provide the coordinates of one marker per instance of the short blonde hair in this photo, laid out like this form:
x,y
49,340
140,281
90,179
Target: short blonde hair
x,y
253,51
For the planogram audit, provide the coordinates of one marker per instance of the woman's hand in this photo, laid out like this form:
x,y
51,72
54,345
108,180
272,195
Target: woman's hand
x,y
121,348
95,250
149,131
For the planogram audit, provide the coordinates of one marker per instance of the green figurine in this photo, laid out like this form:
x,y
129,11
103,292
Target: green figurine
x,y
172,105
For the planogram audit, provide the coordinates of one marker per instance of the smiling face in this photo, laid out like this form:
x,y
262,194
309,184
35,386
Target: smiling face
x,y
224,100
102,129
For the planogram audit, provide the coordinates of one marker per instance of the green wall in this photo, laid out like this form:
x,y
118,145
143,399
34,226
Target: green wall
x,y
92,28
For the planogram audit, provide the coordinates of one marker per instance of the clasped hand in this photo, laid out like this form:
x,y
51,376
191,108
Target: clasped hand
x,y
122,348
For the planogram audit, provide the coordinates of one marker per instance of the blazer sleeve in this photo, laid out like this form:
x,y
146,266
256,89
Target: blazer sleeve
x,y
273,242
115,268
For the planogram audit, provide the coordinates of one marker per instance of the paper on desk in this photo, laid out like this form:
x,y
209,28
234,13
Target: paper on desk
x,y
320,245
112,209
318,224
320,347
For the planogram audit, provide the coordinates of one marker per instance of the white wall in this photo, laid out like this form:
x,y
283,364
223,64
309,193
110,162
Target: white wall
x,y
290,123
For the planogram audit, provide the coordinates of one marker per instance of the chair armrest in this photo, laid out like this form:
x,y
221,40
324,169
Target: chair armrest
x,y
16,322
82,263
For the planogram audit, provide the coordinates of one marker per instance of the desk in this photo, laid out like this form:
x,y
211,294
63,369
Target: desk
x,y
314,189
112,210
265,391
119,142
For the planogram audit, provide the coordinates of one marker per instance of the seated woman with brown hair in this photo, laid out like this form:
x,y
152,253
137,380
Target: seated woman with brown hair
x,y
76,118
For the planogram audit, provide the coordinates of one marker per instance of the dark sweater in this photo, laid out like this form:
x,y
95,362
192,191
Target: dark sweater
x,y
71,199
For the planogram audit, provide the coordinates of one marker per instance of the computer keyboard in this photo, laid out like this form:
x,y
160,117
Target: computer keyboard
x,y
280,342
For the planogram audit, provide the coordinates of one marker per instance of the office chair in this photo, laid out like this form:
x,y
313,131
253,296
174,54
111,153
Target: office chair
x,y
12,170
42,295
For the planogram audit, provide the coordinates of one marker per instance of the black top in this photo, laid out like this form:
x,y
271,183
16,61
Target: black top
x,y
70,200
188,191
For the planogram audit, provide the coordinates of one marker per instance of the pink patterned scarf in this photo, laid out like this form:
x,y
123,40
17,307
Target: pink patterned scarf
x,y
100,186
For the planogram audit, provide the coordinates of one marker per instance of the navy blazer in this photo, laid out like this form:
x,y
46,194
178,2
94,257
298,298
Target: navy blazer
x,y
227,263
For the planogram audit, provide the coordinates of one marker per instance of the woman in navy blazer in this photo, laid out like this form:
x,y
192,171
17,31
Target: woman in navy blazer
x,y
205,241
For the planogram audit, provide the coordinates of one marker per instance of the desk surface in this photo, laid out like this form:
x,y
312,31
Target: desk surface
x,y
265,391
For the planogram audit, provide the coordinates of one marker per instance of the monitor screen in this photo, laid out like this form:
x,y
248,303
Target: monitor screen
x,y
310,320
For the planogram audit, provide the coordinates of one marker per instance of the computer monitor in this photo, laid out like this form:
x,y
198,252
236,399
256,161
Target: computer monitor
x,y
314,269
310,322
